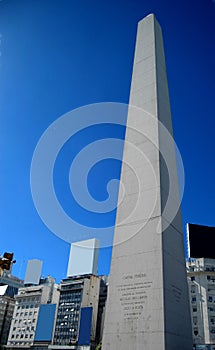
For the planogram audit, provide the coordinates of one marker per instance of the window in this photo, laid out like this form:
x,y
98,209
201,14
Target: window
x,y
195,331
194,309
192,278
193,299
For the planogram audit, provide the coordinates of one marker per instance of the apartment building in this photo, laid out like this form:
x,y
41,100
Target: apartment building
x,y
201,282
76,319
26,311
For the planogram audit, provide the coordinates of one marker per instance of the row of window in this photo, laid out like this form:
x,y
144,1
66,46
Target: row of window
x,y
21,336
32,328
209,278
211,299
30,313
24,321
62,315
27,300
27,306
19,343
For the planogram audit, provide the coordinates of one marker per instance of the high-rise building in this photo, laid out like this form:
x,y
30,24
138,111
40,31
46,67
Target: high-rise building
x,y
6,312
9,286
83,258
148,302
26,311
33,272
201,281
77,312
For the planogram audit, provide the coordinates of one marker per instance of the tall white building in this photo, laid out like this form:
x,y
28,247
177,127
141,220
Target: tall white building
x,y
201,281
83,258
26,311
33,271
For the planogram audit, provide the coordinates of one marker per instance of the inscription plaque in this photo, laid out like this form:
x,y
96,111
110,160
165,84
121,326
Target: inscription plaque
x,y
133,293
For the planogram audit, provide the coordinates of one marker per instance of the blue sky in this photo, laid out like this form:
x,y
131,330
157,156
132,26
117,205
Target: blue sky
x,y
58,55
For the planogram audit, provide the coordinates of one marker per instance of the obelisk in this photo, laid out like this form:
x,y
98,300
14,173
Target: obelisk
x,y
148,304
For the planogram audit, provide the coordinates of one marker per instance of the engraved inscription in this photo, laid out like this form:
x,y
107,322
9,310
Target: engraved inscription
x,y
133,291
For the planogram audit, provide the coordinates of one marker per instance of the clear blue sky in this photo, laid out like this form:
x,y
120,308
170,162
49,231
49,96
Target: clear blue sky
x,y
57,55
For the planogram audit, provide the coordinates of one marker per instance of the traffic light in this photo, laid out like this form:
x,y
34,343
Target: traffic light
x,y
6,261
8,256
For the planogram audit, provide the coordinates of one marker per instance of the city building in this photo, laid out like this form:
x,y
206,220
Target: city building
x,y
201,282
33,272
83,258
6,312
76,319
26,311
9,286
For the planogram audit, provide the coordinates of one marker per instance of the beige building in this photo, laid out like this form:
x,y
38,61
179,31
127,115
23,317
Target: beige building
x,y
76,293
201,281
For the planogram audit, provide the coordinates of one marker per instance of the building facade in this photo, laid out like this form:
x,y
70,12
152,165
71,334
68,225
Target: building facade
x,y
9,286
79,298
6,312
26,311
83,258
201,282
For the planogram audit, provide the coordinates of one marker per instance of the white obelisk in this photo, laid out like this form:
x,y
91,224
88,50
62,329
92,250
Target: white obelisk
x,y
148,303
